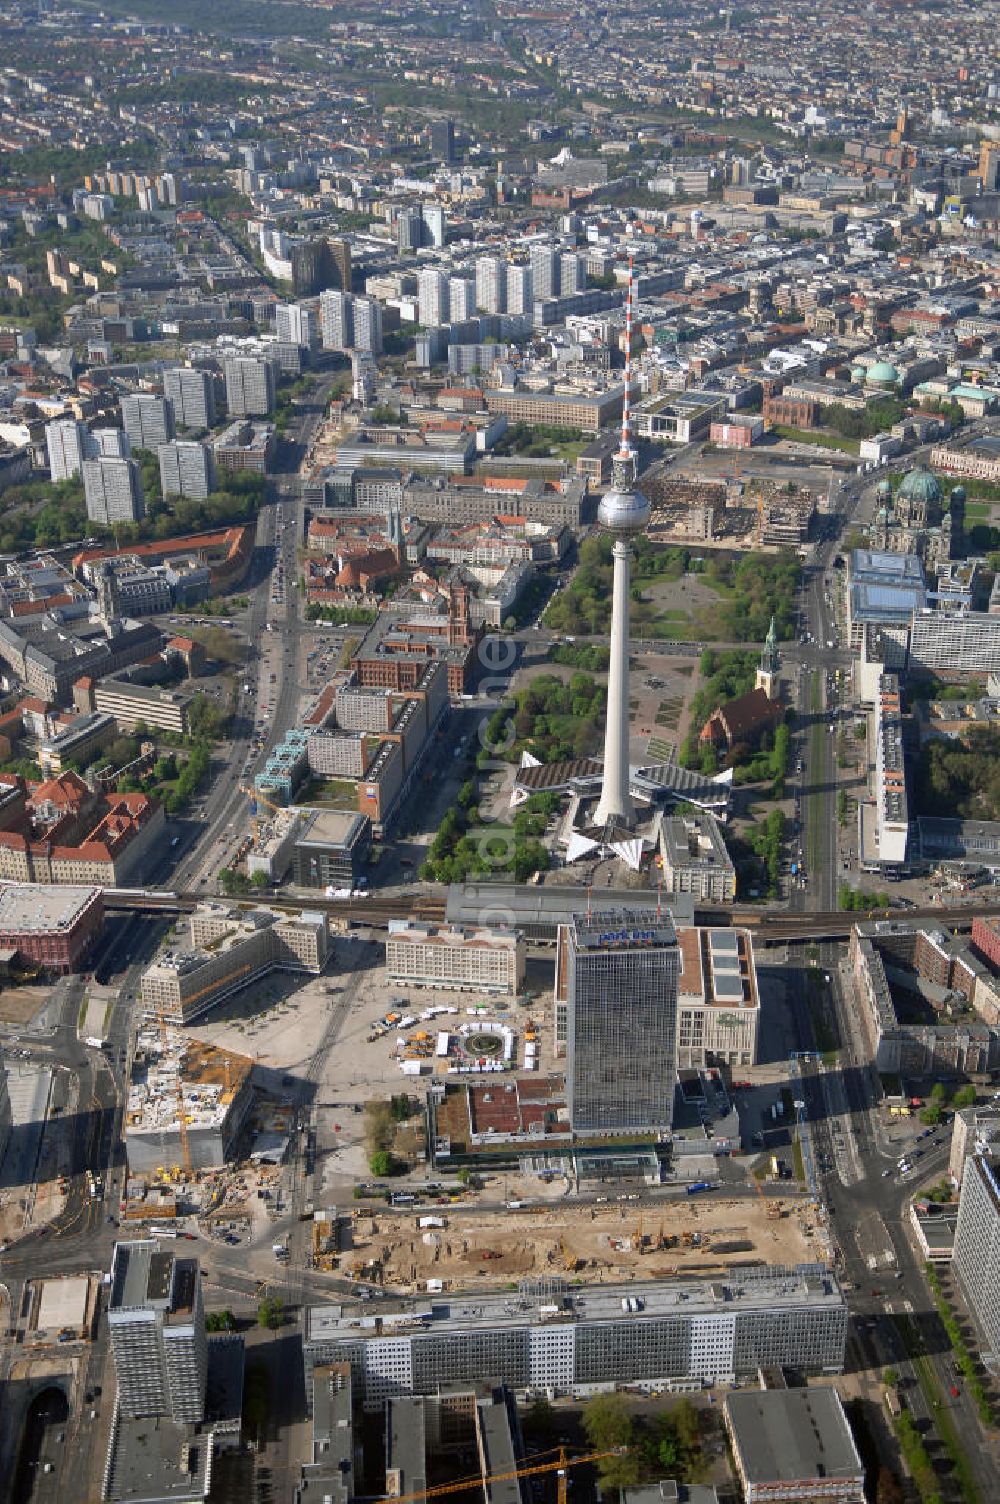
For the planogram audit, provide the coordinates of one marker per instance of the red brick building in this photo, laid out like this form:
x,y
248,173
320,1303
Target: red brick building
x,y
742,722
793,412
986,940
50,927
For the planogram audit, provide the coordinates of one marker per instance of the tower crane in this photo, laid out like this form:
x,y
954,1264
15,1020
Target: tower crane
x,y
256,799
560,1466
181,1119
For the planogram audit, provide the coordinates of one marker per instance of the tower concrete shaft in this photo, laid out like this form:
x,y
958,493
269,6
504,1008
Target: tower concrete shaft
x,y
615,802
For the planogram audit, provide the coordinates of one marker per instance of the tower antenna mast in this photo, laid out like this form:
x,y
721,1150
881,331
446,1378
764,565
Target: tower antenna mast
x,y
626,452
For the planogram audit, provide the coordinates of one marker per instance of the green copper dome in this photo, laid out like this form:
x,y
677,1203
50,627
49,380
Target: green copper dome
x,y
882,373
921,486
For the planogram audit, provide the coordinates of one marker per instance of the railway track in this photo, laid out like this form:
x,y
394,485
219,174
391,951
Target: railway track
x,y
373,910
425,905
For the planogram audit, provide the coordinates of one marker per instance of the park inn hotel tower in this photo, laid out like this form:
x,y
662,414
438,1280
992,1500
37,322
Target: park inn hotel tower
x,y
619,970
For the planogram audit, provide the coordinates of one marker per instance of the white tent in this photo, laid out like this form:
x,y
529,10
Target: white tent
x,y
629,851
579,846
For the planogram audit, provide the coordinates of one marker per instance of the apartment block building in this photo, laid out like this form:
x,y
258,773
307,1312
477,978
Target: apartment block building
x,y
293,324
892,817
491,284
68,443
965,644
112,490
482,960
187,468
338,754
368,324
250,386
433,297
192,393
976,1254
148,421
336,317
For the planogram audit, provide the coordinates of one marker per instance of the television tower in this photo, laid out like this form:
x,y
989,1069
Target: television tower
x,y
624,511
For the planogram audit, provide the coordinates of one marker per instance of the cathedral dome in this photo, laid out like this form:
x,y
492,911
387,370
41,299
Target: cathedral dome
x,y
921,486
882,373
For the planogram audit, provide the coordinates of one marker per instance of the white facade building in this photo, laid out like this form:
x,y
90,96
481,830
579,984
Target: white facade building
x,y
187,468
113,490
484,960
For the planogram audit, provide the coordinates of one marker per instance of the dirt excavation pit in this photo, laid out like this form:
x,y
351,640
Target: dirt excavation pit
x,y
589,1244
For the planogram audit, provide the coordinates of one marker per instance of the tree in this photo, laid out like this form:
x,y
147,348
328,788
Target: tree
x,y
271,1312
668,1453
964,1097
259,879
220,1321
890,1378
382,1163
608,1424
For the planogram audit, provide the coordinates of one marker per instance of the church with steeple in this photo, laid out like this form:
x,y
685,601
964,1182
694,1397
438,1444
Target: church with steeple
x,y
767,669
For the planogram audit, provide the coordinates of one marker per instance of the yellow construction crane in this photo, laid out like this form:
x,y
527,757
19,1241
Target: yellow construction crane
x,y
772,1208
560,1466
256,798
181,1119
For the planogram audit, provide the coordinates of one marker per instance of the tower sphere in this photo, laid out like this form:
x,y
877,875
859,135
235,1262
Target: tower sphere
x,y
623,512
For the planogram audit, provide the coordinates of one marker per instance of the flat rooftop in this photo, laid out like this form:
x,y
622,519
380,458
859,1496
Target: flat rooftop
x,y
452,937
624,928
35,908
332,827
154,1458
792,1436
63,1303
754,1289
144,1277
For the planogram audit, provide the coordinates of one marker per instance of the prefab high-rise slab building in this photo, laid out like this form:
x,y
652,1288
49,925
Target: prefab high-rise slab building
x,y
193,396
976,1253
156,1323
621,973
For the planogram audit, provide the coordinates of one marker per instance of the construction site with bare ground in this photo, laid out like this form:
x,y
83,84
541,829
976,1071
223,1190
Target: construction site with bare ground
x,y
441,1250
